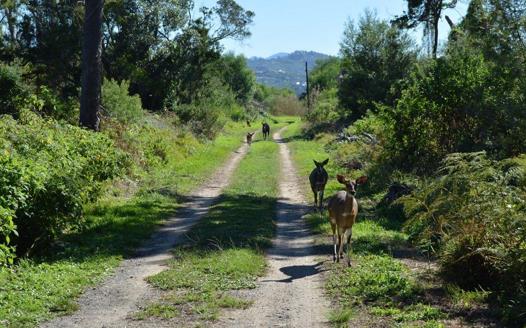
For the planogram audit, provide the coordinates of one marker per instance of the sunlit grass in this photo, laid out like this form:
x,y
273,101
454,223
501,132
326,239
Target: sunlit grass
x,y
224,252
376,283
40,289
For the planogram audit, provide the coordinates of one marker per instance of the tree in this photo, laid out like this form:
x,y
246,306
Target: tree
x,y
237,76
375,58
427,12
91,65
325,74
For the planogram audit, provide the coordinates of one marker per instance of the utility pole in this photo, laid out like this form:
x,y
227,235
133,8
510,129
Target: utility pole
x,y
307,80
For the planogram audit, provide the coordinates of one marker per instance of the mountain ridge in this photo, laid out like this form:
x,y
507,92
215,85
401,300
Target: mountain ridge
x,y
285,70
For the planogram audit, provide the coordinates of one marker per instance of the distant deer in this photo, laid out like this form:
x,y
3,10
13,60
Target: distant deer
x,y
265,128
249,137
343,209
318,179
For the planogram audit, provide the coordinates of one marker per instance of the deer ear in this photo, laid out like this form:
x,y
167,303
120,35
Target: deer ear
x,y
341,179
316,163
325,162
361,180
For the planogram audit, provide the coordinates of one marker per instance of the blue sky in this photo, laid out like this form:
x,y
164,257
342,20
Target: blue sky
x,y
288,25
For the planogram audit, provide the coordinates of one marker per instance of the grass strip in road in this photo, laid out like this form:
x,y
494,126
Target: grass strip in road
x,y
225,248
42,288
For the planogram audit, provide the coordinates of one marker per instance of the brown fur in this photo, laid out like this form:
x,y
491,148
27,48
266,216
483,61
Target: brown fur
x,y
343,209
249,137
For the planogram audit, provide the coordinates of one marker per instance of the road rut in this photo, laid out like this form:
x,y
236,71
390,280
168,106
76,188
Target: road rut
x,y
110,303
291,294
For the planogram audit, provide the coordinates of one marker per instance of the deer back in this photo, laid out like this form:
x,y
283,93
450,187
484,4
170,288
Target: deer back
x,y
318,179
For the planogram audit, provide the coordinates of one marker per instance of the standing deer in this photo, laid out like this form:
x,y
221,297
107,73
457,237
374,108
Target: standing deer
x,y
249,137
343,209
318,179
265,128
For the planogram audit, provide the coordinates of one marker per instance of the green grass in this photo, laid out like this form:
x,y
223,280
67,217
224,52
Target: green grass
x,y
224,252
341,317
162,311
466,299
374,278
42,288
377,284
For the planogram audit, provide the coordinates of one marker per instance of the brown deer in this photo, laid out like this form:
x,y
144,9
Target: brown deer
x,y
343,209
249,137
318,179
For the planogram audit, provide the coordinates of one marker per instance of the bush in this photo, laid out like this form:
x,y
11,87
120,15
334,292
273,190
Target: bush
x,y
118,103
472,216
286,105
325,107
13,90
49,170
457,103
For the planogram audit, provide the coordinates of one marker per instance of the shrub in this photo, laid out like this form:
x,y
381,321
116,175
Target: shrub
x,y
46,103
49,170
457,103
13,90
286,105
472,216
325,107
118,103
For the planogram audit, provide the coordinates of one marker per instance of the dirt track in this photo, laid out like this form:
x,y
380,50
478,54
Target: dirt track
x,y
291,293
108,304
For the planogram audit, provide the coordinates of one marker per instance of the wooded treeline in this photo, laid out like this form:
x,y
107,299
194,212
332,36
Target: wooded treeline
x,y
168,50
446,124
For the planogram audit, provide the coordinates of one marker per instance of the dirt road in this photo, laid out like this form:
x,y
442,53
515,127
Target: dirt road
x,y
291,293
108,304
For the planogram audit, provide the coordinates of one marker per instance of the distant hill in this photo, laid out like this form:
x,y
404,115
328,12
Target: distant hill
x,y
285,70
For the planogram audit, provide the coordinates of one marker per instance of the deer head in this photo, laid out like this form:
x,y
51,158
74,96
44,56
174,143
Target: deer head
x,y
350,186
320,165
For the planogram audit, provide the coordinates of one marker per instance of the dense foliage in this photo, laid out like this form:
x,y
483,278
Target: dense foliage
x,y
473,215
163,56
450,128
375,57
49,170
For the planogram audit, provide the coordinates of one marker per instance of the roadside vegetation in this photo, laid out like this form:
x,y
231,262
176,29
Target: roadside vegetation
x,y
442,216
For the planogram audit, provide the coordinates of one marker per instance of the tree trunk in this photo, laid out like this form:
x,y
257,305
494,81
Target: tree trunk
x,y
435,39
91,65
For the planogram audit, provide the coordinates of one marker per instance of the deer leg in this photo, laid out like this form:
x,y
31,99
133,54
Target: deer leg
x,y
340,246
349,241
315,198
334,243
321,200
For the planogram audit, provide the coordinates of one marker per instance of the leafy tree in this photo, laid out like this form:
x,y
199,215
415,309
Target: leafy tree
x,y
428,13
375,58
237,76
325,74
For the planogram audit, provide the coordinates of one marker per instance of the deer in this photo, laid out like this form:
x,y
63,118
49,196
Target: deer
x,y
343,209
265,128
318,179
249,137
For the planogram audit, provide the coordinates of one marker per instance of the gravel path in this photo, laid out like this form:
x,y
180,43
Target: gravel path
x,y
291,293
108,304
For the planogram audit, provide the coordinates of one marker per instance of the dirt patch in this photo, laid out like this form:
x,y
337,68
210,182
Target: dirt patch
x,y
109,304
291,294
